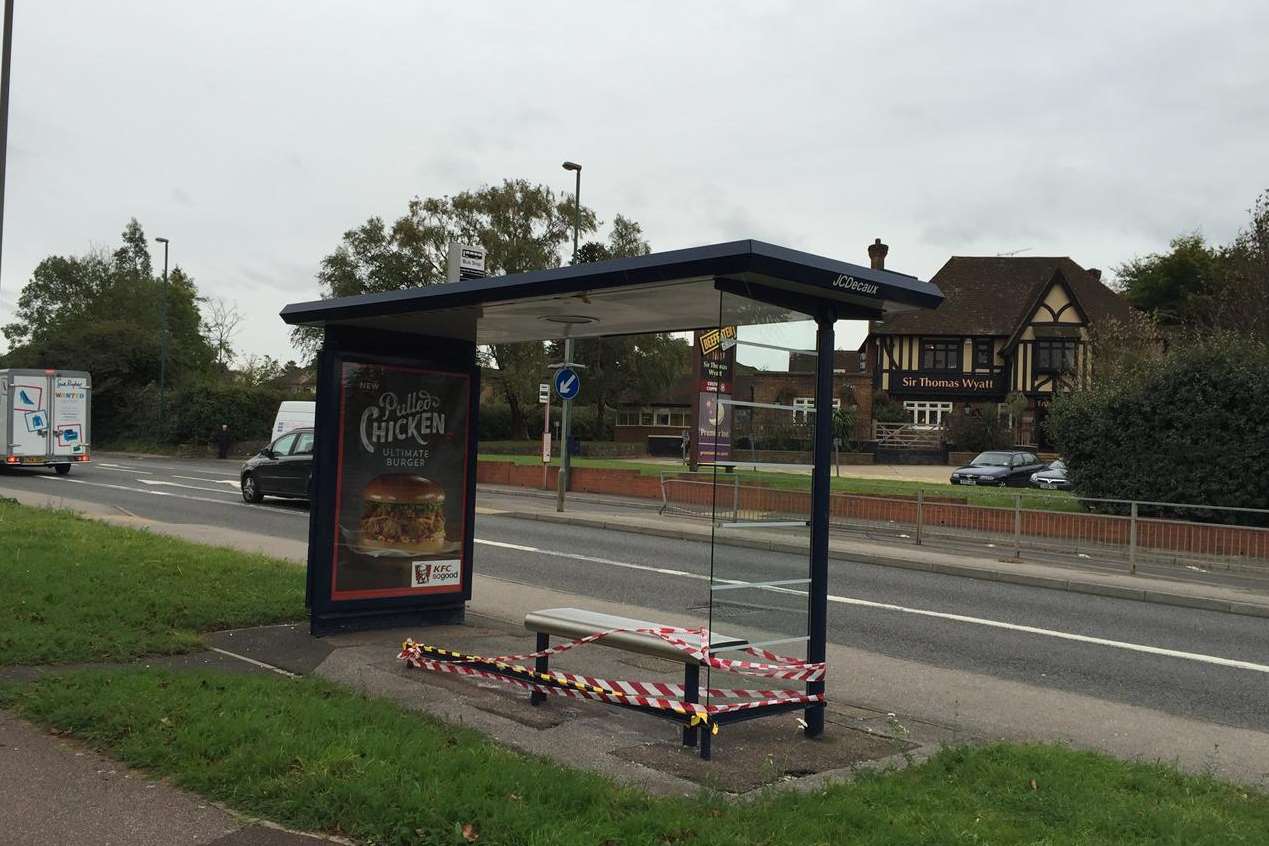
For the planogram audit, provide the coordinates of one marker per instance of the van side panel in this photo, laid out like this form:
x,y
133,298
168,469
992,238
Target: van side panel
x,y
29,397
70,435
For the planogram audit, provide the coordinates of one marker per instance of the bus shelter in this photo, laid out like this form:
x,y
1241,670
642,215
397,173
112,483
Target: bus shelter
x,y
394,479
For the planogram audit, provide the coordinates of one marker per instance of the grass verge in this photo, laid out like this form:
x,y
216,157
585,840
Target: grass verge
x,y
312,756
73,589
991,497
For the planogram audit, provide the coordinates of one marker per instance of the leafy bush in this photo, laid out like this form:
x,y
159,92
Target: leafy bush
x,y
977,428
887,410
194,412
1189,427
495,421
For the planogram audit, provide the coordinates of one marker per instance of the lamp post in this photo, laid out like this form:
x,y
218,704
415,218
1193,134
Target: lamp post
x,y
6,56
566,412
163,338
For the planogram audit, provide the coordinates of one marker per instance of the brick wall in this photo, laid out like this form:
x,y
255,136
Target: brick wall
x,y
950,512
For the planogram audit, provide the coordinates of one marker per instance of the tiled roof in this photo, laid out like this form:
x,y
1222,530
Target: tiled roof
x,y
993,295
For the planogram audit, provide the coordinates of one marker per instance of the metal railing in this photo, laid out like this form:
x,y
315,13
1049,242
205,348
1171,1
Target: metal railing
x,y
1122,534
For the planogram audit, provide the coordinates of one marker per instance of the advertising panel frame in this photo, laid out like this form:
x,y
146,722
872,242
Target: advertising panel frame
x,y
332,609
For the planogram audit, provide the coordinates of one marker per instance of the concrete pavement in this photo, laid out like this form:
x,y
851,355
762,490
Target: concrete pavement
x,y
58,792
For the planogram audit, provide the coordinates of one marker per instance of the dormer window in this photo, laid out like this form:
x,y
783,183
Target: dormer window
x,y
983,354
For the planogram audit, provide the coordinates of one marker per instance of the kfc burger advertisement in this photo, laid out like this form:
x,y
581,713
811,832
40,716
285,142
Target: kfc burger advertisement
x,y
401,480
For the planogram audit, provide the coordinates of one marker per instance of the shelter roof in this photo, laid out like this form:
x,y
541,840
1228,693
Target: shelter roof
x,y
669,291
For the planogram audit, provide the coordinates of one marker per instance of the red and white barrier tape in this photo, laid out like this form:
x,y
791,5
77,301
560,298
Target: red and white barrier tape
x,y
777,666
699,713
655,695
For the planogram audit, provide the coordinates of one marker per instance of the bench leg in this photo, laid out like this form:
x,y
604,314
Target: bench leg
x,y
692,694
706,738
541,664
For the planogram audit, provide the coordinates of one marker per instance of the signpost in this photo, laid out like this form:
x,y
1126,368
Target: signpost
x,y
567,384
466,261
544,398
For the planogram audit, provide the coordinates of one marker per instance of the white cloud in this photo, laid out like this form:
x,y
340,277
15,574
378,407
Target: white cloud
x,y
254,134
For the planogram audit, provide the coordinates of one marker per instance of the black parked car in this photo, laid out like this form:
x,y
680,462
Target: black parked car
x,y
1054,478
998,467
284,468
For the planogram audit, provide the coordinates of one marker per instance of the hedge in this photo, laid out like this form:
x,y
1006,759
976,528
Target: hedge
x,y
1187,427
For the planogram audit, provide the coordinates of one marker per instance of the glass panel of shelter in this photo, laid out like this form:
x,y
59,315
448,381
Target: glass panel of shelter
x,y
755,418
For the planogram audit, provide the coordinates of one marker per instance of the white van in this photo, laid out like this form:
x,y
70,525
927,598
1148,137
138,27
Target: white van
x,y
293,414
45,418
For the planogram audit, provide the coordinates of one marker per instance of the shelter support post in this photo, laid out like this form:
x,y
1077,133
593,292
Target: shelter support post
x,y
817,622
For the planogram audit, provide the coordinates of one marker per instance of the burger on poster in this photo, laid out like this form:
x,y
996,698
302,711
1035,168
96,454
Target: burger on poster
x,y
402,513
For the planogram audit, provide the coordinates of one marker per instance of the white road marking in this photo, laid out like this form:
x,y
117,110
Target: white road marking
x,y
180,485
261,664
232,482
921,612
230,502
151,468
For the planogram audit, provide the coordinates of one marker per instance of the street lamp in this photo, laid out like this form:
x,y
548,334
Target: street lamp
x,y
566,414
577,203
6,59
163,337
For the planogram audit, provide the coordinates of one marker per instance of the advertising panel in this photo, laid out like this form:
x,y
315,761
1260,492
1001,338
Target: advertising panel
x,y
713,428
70,413
400,518
714,351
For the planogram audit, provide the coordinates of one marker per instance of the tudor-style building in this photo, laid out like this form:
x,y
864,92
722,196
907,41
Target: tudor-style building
x,y
1007,325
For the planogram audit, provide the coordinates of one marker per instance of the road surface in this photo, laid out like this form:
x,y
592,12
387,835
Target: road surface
x,y
1195,664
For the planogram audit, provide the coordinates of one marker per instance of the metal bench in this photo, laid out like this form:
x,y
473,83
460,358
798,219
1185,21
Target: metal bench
x,y
574,623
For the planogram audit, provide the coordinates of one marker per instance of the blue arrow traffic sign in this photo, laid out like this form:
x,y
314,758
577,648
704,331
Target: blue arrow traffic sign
x,y
567,383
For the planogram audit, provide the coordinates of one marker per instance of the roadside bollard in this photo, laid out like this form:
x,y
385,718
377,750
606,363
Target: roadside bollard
x,y
920,514
1017,527
1132,540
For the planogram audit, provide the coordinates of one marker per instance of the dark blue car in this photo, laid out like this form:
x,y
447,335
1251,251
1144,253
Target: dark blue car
x,y
999,468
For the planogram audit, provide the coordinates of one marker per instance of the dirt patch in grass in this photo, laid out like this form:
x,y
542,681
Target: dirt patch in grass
x,y
768,751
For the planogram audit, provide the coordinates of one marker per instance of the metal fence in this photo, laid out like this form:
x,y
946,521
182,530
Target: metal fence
x,y
1122,533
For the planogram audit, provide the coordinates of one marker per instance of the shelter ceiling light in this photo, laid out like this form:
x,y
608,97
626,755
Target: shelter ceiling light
x,y
570,319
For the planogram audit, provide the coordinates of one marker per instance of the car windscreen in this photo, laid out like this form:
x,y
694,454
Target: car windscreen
x,y
991,459
1058,465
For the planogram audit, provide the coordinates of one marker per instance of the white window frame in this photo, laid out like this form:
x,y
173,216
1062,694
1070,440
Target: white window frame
x,y
928,414
804,407
647,417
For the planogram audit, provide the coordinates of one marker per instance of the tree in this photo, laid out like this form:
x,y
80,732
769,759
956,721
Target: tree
x,y
1168,285
1239,299
259,370
101,312
220,324
522,227
1197,286
633,365
60,291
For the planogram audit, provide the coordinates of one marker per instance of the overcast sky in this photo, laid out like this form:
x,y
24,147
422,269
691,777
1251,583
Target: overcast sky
x,y
252,134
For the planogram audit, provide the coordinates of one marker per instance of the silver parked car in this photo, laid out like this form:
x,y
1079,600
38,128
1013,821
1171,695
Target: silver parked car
x,y
1054,478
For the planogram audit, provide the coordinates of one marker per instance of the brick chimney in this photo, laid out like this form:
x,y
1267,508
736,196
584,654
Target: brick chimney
x,y
1095,273
877,254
